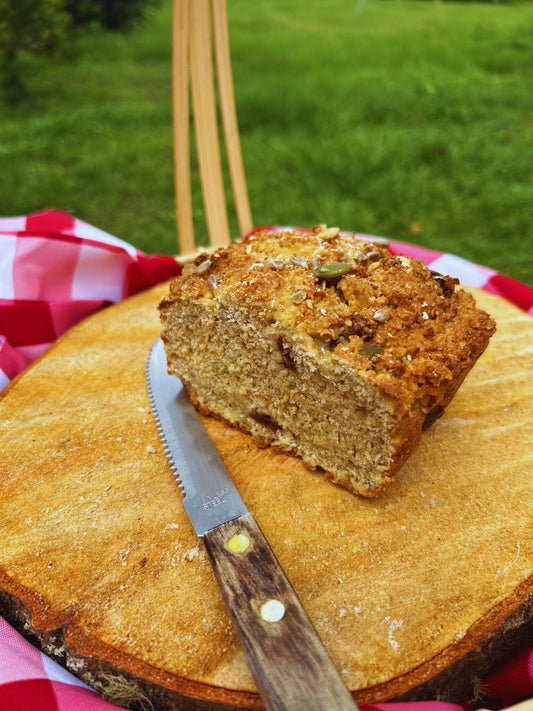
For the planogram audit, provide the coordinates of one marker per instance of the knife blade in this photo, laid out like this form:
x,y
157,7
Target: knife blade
x,y
287,659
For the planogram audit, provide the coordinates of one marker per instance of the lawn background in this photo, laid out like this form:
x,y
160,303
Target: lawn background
x,y
406,119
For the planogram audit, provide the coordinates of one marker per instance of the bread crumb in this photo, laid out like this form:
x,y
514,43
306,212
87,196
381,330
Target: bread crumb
x,y
172,526
191,553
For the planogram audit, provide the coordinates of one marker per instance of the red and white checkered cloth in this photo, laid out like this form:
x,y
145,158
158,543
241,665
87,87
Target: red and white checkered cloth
x,y
54,271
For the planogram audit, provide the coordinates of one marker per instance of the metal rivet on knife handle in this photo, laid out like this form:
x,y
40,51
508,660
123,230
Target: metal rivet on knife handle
x,y
238,543
272,611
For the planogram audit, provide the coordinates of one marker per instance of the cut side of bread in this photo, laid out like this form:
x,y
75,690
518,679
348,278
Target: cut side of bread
x,y
323,346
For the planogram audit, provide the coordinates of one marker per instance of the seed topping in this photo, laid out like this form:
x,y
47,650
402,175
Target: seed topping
x,y
381,315
300,262
204,267
298,297
370,349
276,263
373,256
333,270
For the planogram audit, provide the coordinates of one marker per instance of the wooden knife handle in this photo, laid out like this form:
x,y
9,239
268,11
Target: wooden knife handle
x,y
289,663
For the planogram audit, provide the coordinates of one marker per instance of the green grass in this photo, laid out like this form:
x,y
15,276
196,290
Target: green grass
x,y
412,120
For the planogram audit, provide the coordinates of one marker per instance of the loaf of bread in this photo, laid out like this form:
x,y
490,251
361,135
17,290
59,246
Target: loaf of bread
x,y
324,346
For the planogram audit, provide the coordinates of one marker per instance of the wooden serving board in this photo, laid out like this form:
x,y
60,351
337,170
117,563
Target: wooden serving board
x,y
100,566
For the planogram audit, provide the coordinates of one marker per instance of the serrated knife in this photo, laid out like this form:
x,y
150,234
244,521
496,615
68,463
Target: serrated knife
x,y
289,663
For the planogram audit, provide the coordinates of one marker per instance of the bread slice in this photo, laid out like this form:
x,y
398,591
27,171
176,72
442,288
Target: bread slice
x,y
324,346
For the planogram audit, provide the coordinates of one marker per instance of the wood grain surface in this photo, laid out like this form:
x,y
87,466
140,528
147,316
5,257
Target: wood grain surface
x,y
99,562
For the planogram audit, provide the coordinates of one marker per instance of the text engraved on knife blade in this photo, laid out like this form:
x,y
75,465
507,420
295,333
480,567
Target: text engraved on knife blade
x,y
218,498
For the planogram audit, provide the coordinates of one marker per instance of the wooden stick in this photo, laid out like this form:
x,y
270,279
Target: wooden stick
x,y
229,116
180,111
205,119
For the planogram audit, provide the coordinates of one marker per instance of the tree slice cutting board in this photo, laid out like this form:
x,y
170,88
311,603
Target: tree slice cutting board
x,y
412,593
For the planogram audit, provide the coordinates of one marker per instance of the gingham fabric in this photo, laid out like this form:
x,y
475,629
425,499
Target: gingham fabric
x,y
54,271
31,681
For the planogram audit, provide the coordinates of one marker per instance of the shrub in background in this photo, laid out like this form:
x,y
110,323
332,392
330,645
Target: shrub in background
x,y
110,14
34,26
39,27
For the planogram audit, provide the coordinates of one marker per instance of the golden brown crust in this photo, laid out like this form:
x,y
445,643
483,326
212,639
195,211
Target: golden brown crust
x,y
426,330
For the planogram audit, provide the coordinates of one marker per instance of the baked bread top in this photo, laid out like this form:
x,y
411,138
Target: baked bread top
x,y
406,328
